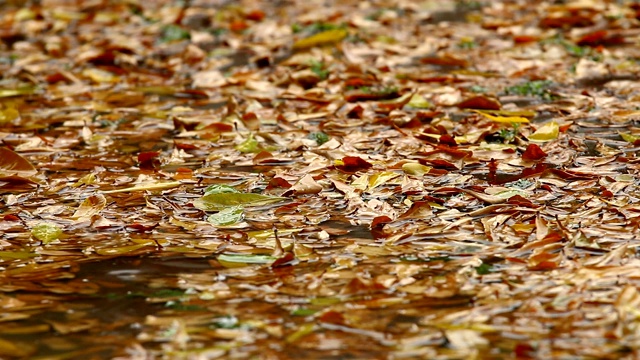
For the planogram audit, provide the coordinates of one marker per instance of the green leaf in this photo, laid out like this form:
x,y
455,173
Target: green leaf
x,y
228,216
628,137
220,201
483,269
174,33
250,145
419,102
236,260
46,232
17,92
319,137
220,189
150,187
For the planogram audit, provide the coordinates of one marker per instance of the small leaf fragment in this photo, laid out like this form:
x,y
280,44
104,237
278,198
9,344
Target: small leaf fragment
x,y
546,132
227,216
46,232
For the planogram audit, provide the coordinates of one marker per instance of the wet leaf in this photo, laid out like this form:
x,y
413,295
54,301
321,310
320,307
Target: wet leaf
x,y
382,178
236,260
46,232
215,201
89,207
227,216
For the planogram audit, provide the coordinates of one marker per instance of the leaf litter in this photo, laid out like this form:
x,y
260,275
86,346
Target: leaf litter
x,y
256,180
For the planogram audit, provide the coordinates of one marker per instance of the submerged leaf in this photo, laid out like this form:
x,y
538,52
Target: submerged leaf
x,y
46,232
214,201
227,216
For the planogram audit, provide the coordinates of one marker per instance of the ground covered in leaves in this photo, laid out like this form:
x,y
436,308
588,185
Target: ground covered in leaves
x,y
290,179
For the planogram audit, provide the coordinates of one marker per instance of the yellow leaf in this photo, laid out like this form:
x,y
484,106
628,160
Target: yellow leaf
x,y
628,137
381,178
416,169
546,132
321,39
361,183
89,207
503,119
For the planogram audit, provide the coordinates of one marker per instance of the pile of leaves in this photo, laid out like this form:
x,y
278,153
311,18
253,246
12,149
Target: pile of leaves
x,y
278,179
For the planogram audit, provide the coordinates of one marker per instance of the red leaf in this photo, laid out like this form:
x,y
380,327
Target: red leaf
x,y
146,156
255,15
600,37
148,160
286,260
447,140
480,102
332,317
351,164
278,182
533,153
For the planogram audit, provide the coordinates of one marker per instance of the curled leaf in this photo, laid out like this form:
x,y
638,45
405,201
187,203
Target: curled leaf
x,y
11,163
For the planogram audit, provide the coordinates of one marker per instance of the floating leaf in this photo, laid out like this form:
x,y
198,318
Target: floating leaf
x,y
46,232
237,260
149,187
228,216
90,206
213,201
324,38
503,119
546,132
